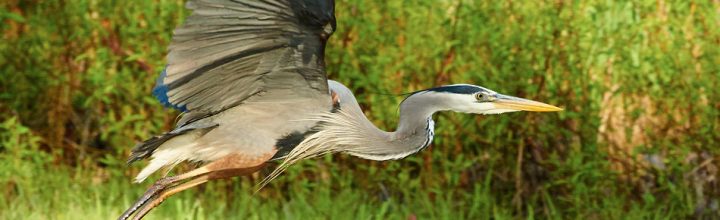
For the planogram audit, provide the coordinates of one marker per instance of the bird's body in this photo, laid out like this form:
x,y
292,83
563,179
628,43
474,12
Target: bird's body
x,y
249,76
252,129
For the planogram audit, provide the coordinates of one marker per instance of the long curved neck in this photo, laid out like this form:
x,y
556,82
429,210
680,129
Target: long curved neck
x,y
414,132
348,130
415,117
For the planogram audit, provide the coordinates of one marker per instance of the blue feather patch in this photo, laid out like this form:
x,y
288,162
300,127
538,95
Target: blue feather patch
x,y
160,92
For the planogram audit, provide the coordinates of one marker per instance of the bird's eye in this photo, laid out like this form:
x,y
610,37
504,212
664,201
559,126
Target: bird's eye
x,y
482,97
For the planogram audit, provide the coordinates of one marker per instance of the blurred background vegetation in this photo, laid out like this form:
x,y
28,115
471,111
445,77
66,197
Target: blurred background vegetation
x,y
638,139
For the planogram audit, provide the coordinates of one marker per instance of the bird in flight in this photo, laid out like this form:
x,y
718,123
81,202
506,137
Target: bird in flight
x,y
249,77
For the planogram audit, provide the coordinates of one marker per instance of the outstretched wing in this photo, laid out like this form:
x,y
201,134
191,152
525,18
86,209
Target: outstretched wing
x,y
228,51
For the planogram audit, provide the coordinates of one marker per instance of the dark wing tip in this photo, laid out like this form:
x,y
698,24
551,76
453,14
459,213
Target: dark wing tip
x,y
315,14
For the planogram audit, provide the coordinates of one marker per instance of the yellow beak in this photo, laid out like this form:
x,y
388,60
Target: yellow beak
x,y
515,103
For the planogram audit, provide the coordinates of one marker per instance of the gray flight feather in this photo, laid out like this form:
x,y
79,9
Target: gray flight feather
x,y
229,51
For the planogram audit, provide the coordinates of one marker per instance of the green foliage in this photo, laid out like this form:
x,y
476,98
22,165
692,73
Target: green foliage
x,y
638,139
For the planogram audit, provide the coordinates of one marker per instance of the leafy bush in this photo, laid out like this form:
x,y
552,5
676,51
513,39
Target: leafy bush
x,y
638,139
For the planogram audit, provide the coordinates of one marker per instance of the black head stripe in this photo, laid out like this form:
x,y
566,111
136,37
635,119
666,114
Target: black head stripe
x,y
458,89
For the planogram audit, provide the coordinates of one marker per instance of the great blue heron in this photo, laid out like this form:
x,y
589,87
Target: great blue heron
x,y
250,79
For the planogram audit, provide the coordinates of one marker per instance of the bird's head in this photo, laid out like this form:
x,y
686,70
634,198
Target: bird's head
x,y
474,99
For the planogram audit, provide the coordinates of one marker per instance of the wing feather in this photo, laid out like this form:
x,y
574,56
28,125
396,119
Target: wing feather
x,y
229,51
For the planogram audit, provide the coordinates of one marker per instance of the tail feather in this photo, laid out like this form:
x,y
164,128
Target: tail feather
x,y
179,149
167,149
145,149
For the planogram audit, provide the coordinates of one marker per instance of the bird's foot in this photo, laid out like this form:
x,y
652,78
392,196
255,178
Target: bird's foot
x,y
152,191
